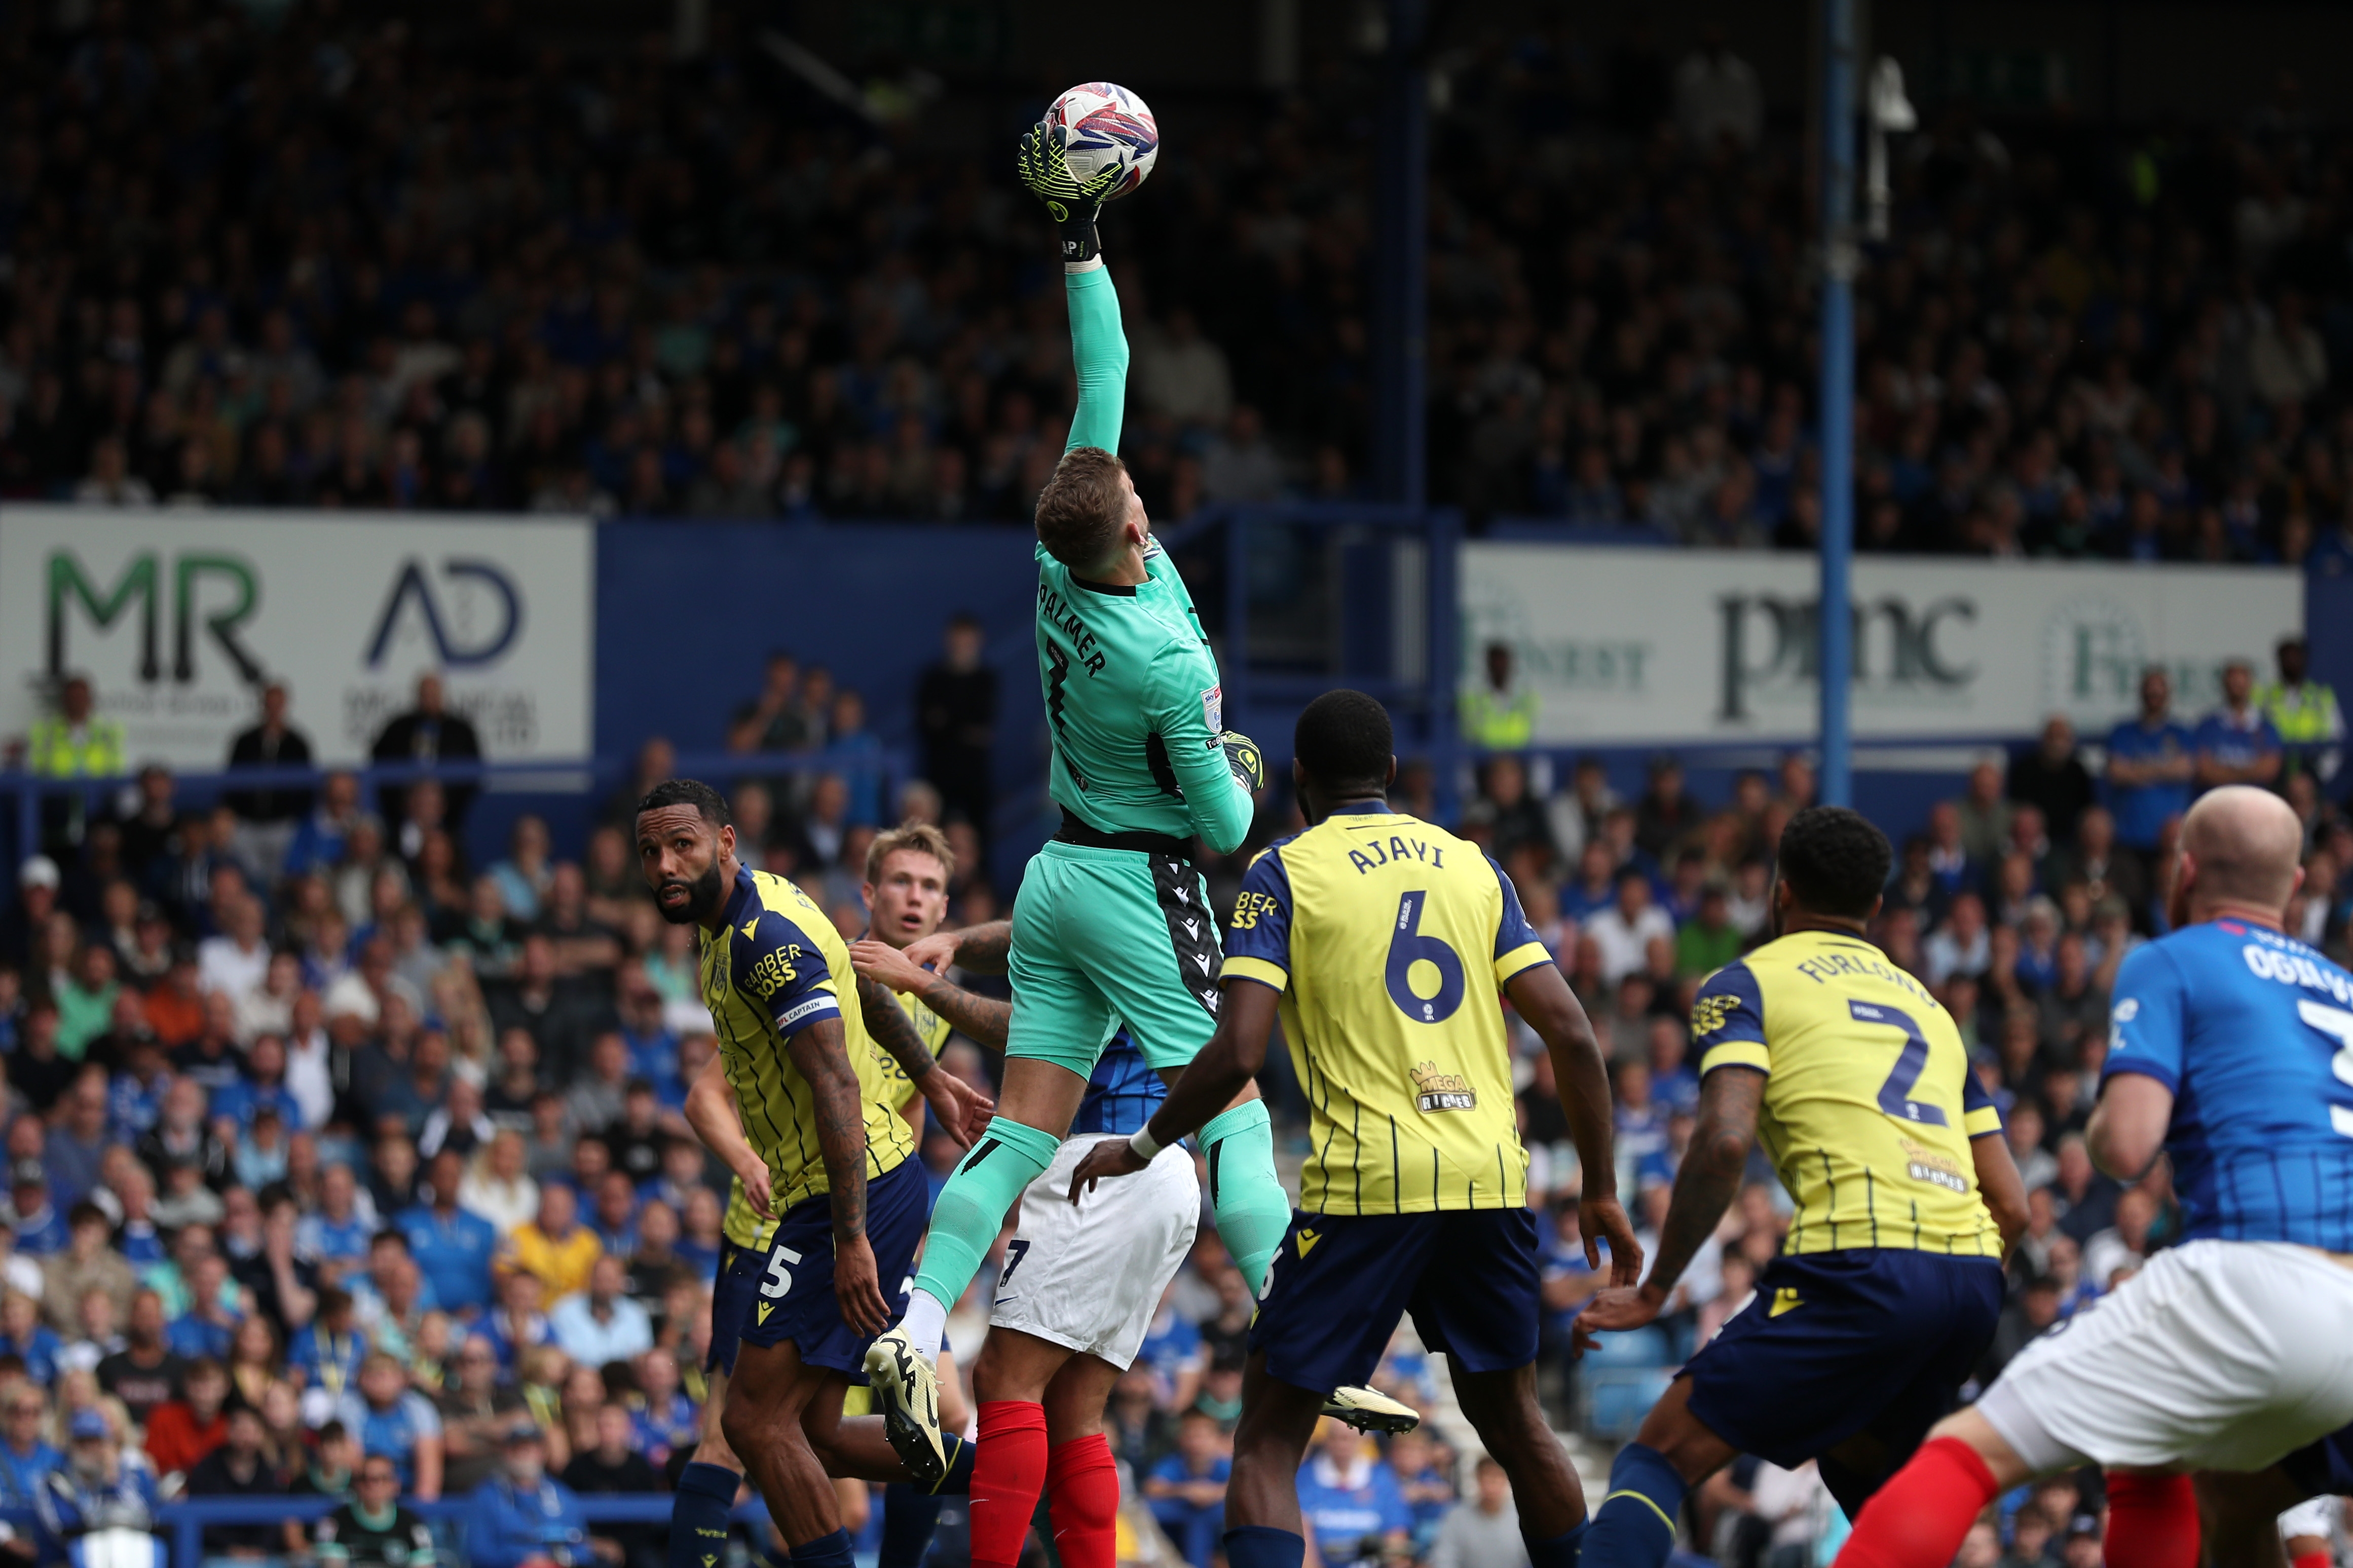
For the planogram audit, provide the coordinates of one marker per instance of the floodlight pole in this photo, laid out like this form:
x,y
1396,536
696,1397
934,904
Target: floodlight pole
x,y
1400,264
1835,621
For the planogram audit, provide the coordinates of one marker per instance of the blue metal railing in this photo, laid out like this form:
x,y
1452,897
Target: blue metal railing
x,y
185,1522
551,775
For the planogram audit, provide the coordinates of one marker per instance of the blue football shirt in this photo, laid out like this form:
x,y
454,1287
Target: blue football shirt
x,y
1122,1094
2253,1032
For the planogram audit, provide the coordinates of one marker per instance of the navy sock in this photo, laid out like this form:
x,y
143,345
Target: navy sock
x,y
1560,1552
1258,1546
1635,1525
910,1514
825,1551
957,1482
698,1533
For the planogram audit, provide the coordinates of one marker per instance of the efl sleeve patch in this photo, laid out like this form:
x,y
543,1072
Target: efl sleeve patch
x,y
1213,709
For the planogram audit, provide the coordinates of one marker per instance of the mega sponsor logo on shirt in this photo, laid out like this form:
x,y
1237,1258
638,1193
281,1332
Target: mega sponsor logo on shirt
x,y
1441,1090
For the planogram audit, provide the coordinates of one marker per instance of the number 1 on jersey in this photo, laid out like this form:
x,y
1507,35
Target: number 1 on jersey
x,y
1895,1094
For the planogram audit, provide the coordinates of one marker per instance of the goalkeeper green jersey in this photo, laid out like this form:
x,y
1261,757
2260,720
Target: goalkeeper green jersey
x,y
1133,699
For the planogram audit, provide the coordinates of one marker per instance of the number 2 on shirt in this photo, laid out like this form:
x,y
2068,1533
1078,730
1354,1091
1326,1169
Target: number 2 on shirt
x,y
1895,1094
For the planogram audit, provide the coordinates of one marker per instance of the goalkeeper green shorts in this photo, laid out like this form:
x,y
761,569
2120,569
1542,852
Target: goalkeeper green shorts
x,y
1103,937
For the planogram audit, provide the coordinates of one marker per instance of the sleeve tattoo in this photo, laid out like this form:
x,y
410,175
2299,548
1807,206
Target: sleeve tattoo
x,y
821,1054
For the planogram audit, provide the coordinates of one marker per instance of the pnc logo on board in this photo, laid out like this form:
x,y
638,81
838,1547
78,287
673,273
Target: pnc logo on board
x,y
469,610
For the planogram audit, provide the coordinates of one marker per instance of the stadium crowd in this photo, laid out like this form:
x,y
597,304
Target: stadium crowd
x,y
327,1147
331,263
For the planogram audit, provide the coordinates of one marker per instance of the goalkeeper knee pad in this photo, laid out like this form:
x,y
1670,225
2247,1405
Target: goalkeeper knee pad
x,y
1246,1197
971,1208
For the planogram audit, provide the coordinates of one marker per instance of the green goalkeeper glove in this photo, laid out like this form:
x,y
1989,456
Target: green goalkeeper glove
x,y
1242,756
1073,204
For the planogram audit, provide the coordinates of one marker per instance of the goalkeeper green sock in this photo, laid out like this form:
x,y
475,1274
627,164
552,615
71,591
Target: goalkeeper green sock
x,y
1246,1197
970,1211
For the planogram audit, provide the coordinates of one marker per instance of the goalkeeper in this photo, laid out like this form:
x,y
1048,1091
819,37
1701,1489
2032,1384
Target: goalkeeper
x,y
1113,921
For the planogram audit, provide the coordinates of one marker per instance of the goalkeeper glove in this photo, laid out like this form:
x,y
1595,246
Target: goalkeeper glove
x,y
1074,202
1242,756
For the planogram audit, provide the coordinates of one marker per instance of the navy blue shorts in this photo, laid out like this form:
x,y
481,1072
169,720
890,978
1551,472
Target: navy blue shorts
x,y
1871,1339
790,1292
731,1294
1340,1283
2324,1468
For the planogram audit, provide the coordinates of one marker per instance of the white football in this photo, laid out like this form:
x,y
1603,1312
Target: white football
x,y
1103,125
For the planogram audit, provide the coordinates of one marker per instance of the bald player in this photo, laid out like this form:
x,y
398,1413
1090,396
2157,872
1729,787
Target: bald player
x,y
2229,1051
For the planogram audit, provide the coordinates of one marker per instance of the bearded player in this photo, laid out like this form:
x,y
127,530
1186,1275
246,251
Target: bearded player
x,y
834,1153
1112,924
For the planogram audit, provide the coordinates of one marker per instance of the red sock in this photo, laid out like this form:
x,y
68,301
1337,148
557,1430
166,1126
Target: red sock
x,y
1083,1491
2314,1560
1008,1471
2152,1521
1920,1517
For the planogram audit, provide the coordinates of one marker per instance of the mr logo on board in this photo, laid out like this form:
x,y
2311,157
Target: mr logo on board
x,y
469,618
217,592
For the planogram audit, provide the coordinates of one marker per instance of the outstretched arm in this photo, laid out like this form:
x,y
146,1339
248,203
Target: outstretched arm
x,y
982,1019
1098,352
963,1110
1098,347
1582,1080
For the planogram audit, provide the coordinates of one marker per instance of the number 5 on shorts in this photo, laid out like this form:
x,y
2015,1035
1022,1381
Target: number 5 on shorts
x,y
780,1278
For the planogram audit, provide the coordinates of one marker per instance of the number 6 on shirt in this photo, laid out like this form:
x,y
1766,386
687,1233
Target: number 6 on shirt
x,y
1409,947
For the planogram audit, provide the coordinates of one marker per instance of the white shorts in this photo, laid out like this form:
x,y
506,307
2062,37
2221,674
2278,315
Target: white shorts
x,y
2218,1356
2313,1517
1090,1277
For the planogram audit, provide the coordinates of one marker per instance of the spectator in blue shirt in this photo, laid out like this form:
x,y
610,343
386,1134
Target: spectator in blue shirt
x,y
2151,761
25,1458
391,1418
602,1323
336,1236
1348,1498
135,1099
522,1516
2236,743
1567,1281
1187,1489
40,1228
326,1352
25,1337
263,1085
453,1245
1423,1483
1172,1353
209,1324
317,842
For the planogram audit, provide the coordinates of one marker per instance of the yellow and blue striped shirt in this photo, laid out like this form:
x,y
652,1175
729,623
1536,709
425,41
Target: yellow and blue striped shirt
x,y
1388,939
1869,1106
773,970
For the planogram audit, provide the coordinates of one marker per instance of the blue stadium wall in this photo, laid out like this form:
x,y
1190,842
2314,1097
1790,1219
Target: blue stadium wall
x,y
686,613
